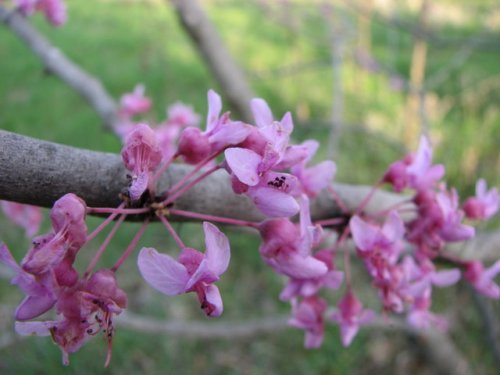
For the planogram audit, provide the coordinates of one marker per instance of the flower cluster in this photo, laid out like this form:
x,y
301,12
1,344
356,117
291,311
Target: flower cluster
x,y
399,252
54,10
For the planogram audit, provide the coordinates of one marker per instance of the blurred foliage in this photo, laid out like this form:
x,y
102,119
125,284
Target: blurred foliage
x,y
285,48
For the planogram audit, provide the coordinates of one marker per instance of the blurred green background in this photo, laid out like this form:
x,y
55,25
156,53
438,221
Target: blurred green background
x,y
286,49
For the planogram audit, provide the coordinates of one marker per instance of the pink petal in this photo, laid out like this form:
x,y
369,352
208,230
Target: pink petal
x,y
300,267
273,203
33,306
261,112
214,301
445,278
162,272
318,177
214,108
394,227
231,133
363,234
34,328
244,164
217,249
7,258
139,186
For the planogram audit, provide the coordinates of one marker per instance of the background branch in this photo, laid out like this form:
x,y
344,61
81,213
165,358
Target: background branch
x,y
59,64
226,71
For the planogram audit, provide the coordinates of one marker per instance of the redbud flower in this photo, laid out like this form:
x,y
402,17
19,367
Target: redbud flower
x,y
483,279
484,205
350,316
193,271
54,10
135,102
308,315
141,155
26,216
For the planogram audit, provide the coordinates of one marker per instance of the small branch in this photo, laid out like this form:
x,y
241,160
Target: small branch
x,y
56,62
209,44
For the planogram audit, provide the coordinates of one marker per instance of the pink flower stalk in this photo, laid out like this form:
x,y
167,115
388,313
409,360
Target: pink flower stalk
x,y
483,279
27,217
54,10
287,248
308,315
86,309
316,178
415,170
193,271
134,103
350,316
484,205
141,155
221,132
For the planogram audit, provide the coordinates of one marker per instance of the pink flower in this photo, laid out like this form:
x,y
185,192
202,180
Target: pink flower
x,y
26,216
86,309
221,132
192,271
483,279
452,229
141,155
182,115
415,170
350,316
134,103
308,315
54,10
484,205
316,178
311,286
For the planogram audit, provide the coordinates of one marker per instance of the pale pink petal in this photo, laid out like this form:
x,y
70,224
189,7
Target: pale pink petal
x,y
261,112
318,177
287,122
162,272
244,164
202,274
213,298
393,228
35,328
273,203
445,278
33,306
138,186
214,108
299,267
364,234
228,134
217,249
7,258
26,216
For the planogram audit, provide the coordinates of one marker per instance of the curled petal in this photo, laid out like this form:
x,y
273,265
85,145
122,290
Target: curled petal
x,y
214,108
33,306
218,252
261,112
162,272
212,303
274,203
244,164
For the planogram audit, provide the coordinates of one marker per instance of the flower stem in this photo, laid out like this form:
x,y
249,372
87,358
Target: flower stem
x,y
131,246
327,222
366,200
103,225
119,210
172,231
218,219
185,188
162,169
200,165
340,202
103,246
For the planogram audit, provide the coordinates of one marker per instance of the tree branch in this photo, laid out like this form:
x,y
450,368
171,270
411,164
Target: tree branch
x,y
38,172
208,42
57,63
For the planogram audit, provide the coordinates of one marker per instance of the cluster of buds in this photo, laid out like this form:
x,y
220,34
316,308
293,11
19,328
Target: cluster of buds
x,y
399,252
53,10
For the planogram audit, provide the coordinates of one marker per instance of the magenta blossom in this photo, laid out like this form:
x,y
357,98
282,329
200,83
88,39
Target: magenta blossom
x,y
287,247
26,216
134,103
484,205
141,155
193,271
316,178
182,115
350,316
308,315
483,279
86,309
54,10
415,170
196,145
452,229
